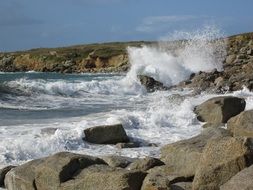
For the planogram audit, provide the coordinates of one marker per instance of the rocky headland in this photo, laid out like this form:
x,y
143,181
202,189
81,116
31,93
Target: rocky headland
x,y
220,157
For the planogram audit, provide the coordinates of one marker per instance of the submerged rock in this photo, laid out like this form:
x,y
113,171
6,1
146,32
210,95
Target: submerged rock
x,y
106,134
221,159
151,84
242,124
219,109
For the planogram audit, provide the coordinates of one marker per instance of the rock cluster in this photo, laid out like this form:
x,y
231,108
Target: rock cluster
x,y
217,158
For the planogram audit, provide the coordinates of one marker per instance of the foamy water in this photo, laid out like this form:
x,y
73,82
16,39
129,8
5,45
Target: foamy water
x,y
44,113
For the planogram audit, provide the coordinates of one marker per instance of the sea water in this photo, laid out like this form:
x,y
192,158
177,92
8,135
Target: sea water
x,y
44,113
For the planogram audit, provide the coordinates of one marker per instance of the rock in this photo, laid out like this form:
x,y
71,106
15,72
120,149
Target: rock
x,y
105,178
242,124
161,178
242,180
221,159
213,125
181,186
183,156
107,134
3,172
118,161
22,177
219,109
151,84
48,173
230,58
145,164
128,145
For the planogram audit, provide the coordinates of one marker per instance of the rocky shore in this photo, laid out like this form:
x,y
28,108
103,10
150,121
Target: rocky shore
x,y
220,157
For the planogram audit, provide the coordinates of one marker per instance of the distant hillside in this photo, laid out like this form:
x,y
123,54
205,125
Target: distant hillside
x,y
105,57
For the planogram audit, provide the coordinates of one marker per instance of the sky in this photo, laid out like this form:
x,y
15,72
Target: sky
x,y
26,24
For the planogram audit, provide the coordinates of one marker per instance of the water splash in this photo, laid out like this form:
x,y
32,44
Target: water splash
x,y
171,62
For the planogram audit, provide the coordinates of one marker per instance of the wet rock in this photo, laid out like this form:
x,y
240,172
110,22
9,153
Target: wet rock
x,y
213,125
183,156
128,145
219,109
106,178
145,164
3,172
151,84
221,159
242,124
106,134
181,186
118,161
242,180
48,173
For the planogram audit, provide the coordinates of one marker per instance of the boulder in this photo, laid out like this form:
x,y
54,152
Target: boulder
x,y
118,161
219,109
105,178
3,172
145,164
162,178
221,159
242,180
183,156
106,134
48,173
242,124
22,177
151,84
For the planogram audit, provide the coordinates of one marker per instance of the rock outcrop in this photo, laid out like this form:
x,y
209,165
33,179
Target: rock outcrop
x,y
107,134
3,172
151,84
219,109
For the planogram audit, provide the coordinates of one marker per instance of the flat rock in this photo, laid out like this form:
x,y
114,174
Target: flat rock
x,y
118,161
242,180
145,164
222,159
219,109
103,177
183,156
106,134
242,124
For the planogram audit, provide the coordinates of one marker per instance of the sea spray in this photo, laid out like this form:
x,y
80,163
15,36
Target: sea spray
x,y
171,62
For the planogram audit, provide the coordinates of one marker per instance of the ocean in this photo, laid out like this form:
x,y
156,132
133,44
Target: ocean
x,y
44,113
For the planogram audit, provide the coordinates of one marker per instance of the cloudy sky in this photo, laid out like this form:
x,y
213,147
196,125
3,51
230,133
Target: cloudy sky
x,y
26,24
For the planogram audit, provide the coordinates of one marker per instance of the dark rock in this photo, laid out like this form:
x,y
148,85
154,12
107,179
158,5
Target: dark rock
x,y
242,124
181,186
151,84
3,172
118,161
242,180
145,164
105,178
107,134
183,156
221,159
219,109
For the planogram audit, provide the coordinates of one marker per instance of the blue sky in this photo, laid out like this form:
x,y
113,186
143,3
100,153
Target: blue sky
x,y
26,24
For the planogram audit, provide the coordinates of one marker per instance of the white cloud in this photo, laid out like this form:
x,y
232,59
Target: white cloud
x,y
155,23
